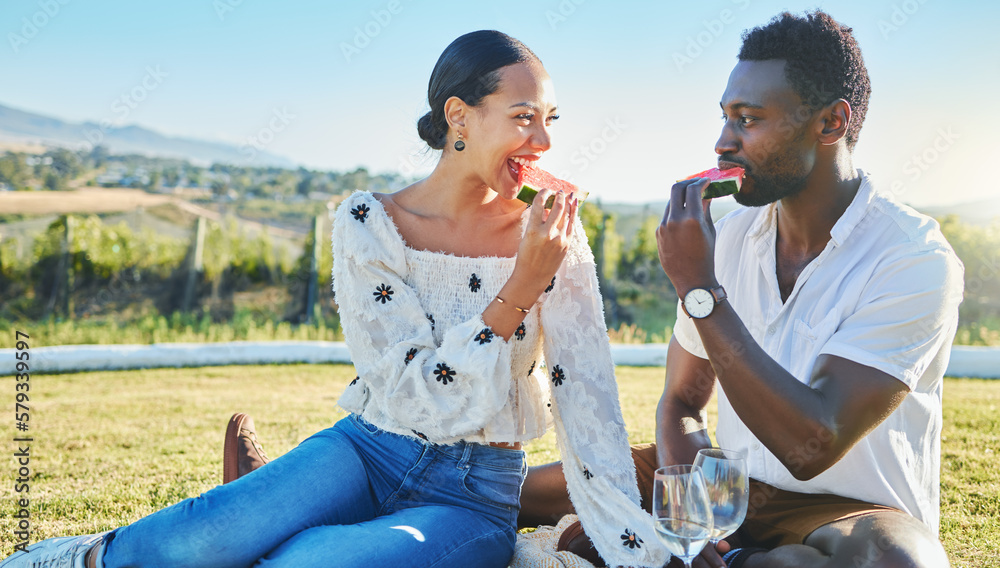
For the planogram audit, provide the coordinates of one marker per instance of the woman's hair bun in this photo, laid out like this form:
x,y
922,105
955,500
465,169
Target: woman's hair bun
x,y
431,133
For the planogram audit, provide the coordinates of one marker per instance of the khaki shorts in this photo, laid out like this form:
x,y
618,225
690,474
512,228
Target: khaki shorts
x,y
775,517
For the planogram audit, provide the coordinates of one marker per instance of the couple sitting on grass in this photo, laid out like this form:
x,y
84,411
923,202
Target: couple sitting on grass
x,y
824,310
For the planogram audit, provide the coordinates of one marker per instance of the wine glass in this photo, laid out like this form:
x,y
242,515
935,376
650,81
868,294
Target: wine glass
x,y
725,473
681,510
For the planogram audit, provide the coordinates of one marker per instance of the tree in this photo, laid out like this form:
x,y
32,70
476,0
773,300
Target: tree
x,y
55,182
65,163
306,183
220,187
154,181
356,180
13,170
194,175
99,155
641,260
171,177
979,249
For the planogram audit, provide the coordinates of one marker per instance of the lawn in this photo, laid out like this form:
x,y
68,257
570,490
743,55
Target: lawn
x,y
111,447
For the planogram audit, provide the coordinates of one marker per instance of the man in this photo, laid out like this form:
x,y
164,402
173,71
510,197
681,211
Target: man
x,y
831,346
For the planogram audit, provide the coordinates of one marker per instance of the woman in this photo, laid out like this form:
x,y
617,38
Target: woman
x,y
449,292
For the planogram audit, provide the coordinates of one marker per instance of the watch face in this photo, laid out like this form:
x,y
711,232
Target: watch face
x,y
699,303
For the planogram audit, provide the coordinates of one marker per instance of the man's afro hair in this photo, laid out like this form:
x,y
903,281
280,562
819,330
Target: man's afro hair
x,y
823,61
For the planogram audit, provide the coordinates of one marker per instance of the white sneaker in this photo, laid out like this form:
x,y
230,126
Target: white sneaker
x,y
60,552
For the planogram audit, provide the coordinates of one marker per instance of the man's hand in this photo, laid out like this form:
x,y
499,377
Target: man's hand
x,y
685,238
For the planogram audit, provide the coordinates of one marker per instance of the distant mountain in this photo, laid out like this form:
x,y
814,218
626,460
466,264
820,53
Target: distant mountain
x,y
985,212
26,127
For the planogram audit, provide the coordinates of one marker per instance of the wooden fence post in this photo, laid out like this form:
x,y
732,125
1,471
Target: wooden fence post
x,y
312,310
67,251
195,270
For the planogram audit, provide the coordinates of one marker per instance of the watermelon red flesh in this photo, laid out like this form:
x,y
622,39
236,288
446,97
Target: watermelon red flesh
x,y
533,179
724,182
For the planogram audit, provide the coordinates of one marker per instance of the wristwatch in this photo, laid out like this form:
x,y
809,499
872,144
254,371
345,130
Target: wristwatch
x,y
699,302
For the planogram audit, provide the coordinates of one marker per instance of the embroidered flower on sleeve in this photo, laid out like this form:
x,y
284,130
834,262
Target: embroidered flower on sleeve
x,y
444,373
551,285
520,331
383,293
360,212
532,369
475,283
587,474
354,382
631,540
410,355
430,318
558,376
484,336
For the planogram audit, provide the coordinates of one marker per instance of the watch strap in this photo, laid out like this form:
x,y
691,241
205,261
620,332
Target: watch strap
x,y
719,293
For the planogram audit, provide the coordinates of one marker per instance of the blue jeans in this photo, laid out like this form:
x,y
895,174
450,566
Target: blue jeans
x,y
351,495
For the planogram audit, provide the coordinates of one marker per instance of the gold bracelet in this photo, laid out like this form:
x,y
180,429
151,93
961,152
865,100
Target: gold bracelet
x,y
522,310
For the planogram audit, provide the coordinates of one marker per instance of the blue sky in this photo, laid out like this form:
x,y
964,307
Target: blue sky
x,y
638,83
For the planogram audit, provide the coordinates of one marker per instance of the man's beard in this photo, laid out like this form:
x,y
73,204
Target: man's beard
x,y
768,189
777,178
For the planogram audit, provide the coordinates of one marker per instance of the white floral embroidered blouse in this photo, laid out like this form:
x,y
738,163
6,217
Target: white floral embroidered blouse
x,y
429,367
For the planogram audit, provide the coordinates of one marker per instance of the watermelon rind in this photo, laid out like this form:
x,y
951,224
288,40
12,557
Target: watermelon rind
x,y
720,188
528,193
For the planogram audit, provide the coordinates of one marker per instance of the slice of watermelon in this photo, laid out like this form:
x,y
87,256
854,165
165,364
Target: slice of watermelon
x,y
533,179
724,182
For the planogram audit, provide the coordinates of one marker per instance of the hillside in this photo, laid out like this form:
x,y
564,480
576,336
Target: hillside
x,y
21,127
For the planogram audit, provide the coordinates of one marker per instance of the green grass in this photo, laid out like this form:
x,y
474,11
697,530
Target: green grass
x,y
111,447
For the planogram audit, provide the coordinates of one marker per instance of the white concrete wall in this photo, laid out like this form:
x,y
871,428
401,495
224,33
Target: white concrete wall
x,y
981,362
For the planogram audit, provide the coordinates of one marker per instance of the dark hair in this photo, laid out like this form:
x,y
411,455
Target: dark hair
x,y
468,69
823,61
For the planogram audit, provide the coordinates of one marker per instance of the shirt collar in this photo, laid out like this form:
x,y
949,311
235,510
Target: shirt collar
x,y
844,226
855,212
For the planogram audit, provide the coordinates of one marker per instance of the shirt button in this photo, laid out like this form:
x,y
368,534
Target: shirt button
x,y
755,446
771,329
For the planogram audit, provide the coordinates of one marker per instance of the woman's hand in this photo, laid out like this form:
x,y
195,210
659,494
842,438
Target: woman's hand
x,y
543,248
544,244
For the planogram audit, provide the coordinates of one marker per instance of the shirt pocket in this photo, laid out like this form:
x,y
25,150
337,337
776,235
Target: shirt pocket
x,y
809,342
